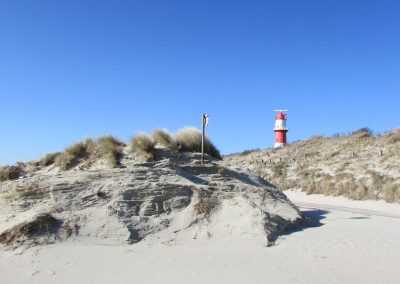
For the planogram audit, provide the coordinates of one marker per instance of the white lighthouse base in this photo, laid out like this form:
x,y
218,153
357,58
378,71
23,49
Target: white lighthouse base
x,y
279,145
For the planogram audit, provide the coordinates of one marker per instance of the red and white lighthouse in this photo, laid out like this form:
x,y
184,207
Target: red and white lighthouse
x,y
280,129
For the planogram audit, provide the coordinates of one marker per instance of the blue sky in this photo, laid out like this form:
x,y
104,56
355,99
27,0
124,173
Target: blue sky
x,y
74,69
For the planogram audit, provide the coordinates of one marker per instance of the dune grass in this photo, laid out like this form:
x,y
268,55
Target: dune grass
x,y
207,201
109,149
185,140
163,138
49,159
394,136
105,147
9,173
189,140
72,155
43,225
143,146
364,132
358,165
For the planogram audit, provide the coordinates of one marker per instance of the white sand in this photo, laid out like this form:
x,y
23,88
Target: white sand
x,y
357,242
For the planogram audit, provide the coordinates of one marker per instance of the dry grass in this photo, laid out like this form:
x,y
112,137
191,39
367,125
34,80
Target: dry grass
x,y
363,133
392,192
49,159
394,136
207,202
279,170
375,187
10,173
65,161
109,149
44,225
186,140
163,138
339,165
89,148
18,191
73,155
143,146
105,147
189,140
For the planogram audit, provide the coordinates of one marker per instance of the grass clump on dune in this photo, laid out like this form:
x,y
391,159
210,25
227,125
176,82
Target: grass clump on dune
x,y
44,225
143,146
189,140
49,159
106,147
163,138
109,149
186,140
364,132
394,136
74,154
9,173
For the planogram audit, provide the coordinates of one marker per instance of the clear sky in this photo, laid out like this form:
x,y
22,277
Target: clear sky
x,y
74,69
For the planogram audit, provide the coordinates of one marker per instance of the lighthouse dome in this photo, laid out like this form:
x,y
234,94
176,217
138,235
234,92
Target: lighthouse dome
x,y
281,116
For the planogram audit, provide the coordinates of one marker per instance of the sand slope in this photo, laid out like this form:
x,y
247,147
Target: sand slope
x,y
171,197
343,247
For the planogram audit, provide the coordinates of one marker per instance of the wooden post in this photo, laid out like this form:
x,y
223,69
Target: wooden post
x,y
204,123
202,140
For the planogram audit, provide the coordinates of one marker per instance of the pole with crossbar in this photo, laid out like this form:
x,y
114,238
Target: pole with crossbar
x,y
204,123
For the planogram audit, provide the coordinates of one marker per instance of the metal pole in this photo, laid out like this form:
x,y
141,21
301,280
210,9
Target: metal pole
x,y
202,138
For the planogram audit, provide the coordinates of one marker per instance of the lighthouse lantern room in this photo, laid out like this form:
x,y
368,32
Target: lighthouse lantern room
x,y
280,129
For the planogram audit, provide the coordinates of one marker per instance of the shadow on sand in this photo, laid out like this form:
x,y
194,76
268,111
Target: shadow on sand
x,y
312,219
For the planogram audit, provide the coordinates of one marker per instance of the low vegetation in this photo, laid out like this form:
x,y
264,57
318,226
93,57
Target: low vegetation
x,y
18,191
74,154
106,147
143,145
49,159
109,149
394,137
189,140
43,226
163,138
10,173
207,201
363,133
359,165
186,140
